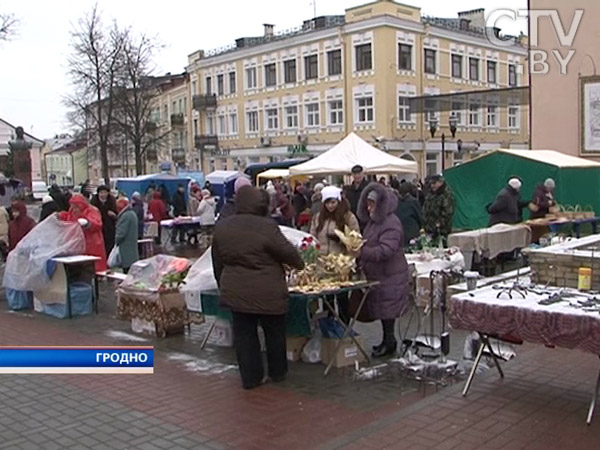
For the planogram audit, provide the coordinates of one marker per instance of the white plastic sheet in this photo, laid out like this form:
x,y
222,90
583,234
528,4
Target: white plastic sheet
x,y
26,265
201,277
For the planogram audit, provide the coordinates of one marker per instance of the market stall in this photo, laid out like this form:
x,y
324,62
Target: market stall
x,y
353,150
476,183
222,184
488,243
520,311
150,296
284,174
141,183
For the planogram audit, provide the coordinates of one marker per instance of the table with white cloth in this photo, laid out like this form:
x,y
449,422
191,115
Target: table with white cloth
x,y
490,242
570,319
187,224
150,230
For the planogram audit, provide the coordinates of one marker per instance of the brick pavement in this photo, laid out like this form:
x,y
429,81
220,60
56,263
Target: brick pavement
x,y
541,404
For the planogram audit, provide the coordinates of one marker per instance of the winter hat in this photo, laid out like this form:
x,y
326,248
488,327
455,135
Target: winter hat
x,y
240,183
122,203
136,195
372,196
47,199
205,193
515,183
331,193
549,183
319,187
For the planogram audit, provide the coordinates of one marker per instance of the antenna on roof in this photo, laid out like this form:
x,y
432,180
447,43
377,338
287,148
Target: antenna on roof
x,y
314,3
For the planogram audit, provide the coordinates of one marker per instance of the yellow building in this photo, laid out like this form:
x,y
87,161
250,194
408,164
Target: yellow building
x,y
282,94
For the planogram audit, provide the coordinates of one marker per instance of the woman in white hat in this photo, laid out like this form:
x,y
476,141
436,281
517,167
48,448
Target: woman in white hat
x,y
334,215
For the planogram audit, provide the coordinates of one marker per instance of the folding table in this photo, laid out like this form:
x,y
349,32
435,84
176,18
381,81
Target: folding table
x,y
82,261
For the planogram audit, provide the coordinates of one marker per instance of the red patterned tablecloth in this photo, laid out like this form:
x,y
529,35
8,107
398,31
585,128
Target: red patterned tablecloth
x,y
558,324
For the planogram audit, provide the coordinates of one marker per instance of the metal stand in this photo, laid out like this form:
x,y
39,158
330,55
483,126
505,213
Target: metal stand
x,y
347,329
593,403
210,330
484,343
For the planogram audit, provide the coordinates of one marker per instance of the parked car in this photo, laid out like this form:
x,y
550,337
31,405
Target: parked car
x,y
39,189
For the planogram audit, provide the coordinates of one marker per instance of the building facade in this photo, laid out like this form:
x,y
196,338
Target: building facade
x,y
561,114
300,92
67,162
7,133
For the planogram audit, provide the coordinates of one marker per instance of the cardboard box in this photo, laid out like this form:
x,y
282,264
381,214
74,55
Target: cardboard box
x,y
294,347
348,353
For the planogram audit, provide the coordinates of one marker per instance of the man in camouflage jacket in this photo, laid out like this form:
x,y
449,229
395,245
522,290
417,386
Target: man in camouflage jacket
x,y
438,209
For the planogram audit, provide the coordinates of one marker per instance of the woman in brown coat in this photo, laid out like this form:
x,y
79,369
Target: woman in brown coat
x,y
249,252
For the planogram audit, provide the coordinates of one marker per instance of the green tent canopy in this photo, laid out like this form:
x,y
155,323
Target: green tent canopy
x,y
476,183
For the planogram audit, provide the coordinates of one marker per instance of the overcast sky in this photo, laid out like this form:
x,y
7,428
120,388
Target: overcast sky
x,y
33,64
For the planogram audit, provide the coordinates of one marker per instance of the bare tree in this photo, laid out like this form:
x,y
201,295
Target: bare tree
x,y
136,96
8,26
95,61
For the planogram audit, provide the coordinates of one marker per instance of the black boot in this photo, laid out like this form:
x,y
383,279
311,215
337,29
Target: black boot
x,y
389,345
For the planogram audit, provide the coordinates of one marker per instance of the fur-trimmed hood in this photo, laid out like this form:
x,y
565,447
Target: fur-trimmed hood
x,y
386,203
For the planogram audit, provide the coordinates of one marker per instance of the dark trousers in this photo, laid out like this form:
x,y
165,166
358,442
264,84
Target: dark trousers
x,y
247,346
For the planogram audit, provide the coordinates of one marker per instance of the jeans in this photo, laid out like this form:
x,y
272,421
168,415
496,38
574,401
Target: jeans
x,y
247,346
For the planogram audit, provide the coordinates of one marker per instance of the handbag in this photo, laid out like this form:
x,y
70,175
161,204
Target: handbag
x,y
353,304
114,258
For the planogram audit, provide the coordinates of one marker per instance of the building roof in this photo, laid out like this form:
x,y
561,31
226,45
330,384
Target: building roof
x,y
31,137
552,157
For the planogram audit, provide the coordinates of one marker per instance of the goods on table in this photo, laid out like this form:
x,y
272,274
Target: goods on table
x,y
159,273
353,240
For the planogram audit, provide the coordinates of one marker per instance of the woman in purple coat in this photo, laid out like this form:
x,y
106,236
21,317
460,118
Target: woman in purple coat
x,y
382,259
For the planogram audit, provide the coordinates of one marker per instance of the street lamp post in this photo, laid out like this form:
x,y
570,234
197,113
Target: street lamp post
x,y
433,127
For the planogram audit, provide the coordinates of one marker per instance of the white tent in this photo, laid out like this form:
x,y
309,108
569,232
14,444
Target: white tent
x,y
351,151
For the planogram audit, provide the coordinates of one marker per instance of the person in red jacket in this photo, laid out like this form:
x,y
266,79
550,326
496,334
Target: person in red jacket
x,y
158,210
20,225
90,220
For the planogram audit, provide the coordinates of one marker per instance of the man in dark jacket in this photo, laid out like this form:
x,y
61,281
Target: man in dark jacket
x,y
248,253
506,206
59,198
409,213
228,209
179,210
107,206
353,192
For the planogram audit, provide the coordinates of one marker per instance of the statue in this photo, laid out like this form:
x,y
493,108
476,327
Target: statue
x,y
19,143
19,158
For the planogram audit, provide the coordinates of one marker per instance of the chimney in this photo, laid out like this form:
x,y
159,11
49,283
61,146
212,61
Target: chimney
x,y
268,30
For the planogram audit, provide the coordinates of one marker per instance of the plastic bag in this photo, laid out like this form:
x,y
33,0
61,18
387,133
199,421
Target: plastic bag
x,y
311,353
114,258
201,277
149,274
26,265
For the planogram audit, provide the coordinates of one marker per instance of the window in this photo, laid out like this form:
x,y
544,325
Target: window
x,y
457,111
233,123
195,127
252,121
194,87
432,161
474,69
270,75
430,56
457,61
363,57
512,75
251,78
492,116
513,117
312,115
404,114
210,124
311,67
272,118
431,110
221,125
208,85
491,72
336,112
289,71
334,62
474,114
291,116
404,57
232,87
220,85
364,107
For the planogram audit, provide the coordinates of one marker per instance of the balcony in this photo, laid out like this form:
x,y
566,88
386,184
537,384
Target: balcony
x,y
178,155
204,101
206,140
177,120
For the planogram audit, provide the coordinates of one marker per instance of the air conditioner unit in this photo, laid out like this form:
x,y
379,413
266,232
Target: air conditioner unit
x,y
265,141
302,138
